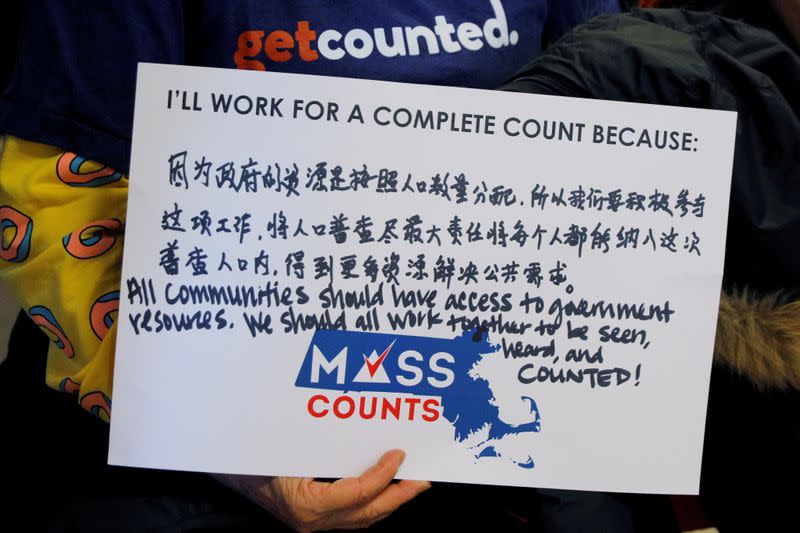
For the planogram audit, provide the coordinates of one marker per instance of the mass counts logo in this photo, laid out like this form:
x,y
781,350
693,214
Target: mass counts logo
x,y
375,376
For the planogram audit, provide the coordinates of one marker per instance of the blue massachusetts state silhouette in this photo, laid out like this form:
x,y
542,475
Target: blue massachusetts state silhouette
x,y
422,366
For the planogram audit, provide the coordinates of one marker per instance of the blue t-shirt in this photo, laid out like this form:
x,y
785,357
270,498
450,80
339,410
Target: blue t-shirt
x,y
74,82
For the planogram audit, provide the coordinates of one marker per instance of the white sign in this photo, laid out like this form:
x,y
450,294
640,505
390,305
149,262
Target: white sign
x,y
514,289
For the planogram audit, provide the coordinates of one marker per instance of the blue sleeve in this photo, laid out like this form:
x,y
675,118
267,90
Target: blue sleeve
x,y
75,77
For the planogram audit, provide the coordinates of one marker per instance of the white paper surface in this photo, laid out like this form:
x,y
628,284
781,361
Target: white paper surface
x,y
220,398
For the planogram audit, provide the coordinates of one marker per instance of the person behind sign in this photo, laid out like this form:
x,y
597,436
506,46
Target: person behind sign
x,y
66,116
758,70
740,56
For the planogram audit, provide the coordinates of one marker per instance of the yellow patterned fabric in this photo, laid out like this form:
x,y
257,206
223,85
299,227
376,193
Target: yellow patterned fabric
x,y
62,219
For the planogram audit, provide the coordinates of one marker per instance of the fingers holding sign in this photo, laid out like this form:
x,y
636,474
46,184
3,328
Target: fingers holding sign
x,y
349,503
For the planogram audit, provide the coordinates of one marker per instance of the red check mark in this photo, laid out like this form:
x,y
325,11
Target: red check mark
x,y
373,367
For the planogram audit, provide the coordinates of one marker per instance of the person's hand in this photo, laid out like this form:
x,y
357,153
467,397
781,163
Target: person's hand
x,y
349,503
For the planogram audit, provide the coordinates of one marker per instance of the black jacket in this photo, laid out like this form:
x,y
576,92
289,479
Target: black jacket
x,y
692,59
703,60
